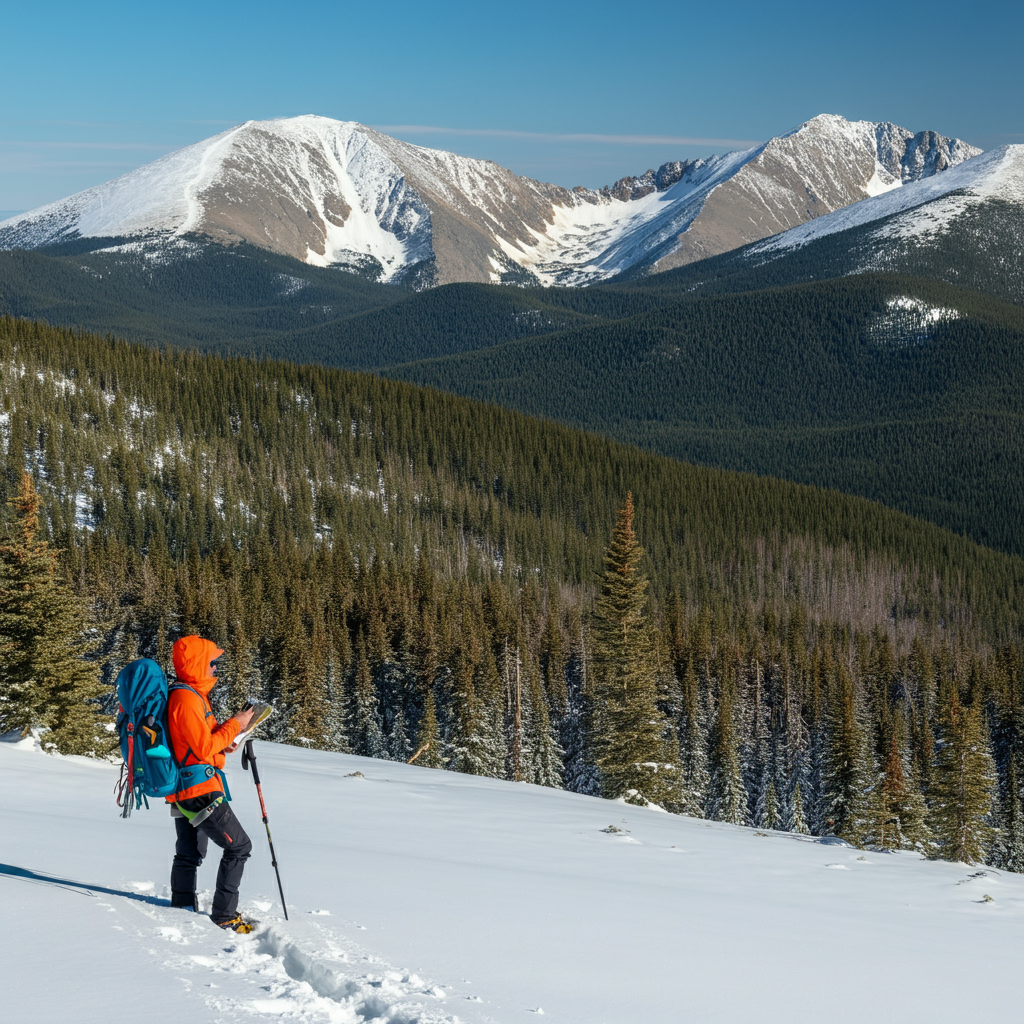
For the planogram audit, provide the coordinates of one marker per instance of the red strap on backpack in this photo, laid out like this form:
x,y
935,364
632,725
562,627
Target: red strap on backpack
x,y
125,787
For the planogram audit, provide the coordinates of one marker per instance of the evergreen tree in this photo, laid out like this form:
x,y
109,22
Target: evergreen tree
x,y
1009,851
336,717
693,747
546,754
628,730
727,800
768,811
428,736
580,774
963,782
896,810
44,677
922,676
794,819
488,749
305,693
367,737
846,776
812,788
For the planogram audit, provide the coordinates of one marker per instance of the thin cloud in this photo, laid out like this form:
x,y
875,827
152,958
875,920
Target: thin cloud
x,y
34,144
68,124
22,162
619,140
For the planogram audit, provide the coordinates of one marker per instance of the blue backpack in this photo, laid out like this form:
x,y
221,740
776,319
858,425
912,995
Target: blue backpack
x,y
149,766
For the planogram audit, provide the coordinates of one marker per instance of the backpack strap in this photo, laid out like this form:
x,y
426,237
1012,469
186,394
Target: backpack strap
x,y
179,685
194,774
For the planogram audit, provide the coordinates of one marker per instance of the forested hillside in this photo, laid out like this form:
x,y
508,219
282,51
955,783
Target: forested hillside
x,y
394,567
243,300
902,390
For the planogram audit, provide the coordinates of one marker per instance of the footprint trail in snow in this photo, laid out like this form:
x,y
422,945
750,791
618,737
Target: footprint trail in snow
x,y
303,970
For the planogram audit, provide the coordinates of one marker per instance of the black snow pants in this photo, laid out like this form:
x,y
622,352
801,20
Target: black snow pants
x,y
226,832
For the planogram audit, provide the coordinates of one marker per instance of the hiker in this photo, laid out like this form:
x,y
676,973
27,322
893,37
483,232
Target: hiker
x,y
201,809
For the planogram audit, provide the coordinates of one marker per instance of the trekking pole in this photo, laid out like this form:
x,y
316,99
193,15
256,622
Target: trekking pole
x,y
249,757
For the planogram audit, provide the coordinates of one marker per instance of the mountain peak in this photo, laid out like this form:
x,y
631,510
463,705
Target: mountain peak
x,y
338,193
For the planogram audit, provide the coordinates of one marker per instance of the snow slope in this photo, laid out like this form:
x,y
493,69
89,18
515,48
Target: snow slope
x,y
420,897
921,207
313,188
339,193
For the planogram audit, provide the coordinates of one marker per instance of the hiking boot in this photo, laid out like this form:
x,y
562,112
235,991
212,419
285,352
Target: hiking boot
x,y
239,924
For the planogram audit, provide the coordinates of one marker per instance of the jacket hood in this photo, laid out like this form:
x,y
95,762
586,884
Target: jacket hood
x,y
192,656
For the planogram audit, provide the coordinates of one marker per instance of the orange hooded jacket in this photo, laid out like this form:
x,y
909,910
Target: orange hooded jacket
x,y
196,738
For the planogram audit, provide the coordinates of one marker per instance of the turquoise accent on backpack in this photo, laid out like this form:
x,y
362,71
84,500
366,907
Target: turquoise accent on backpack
x,y
193,774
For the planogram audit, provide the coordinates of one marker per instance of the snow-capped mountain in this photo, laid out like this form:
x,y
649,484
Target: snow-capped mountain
x,y
965,226
925,207
338,193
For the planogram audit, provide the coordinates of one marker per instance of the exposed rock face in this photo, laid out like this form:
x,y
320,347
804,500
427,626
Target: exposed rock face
x,y
477,208
339,193
650,181
822,166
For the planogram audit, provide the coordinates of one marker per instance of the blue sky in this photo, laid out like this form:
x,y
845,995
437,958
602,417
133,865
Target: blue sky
x,y
575,93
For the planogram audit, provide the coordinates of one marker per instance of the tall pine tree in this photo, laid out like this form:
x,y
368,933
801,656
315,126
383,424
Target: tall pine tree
x,y
847,773
963,782
628,730
44,677
728,798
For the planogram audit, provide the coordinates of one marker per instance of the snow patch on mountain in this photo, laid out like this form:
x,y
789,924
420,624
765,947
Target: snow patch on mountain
x,y
881,182
908,320
598,239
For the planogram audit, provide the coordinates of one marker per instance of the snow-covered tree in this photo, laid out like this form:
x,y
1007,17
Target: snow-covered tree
x,y
768,809
693,749
847,772
366,735
727,799
1009,850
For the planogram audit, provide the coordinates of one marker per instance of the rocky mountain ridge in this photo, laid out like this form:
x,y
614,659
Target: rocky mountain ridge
x,y
337,193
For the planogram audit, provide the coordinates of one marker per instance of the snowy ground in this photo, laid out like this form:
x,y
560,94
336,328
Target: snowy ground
x,y
419,896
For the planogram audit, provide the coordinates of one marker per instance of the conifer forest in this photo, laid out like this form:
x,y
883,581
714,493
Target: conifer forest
x,y
403,573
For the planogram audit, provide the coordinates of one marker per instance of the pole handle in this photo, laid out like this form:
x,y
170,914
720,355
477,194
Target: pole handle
x,y
249,758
